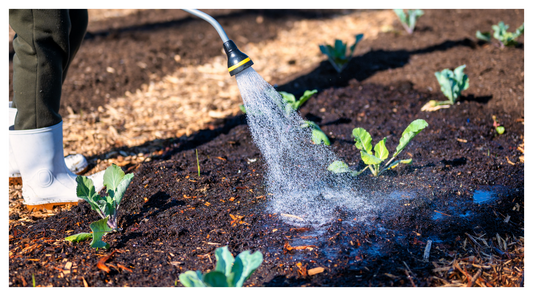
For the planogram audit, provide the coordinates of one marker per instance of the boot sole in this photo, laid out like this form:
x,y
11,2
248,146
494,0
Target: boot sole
x,y
49,206
18,180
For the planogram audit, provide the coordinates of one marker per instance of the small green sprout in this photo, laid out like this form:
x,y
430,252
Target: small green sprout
x,y
500,33
290,105
337,54
197,162
452,83
499,128
318,136
409,21
229,271
373,160
116,183
290,100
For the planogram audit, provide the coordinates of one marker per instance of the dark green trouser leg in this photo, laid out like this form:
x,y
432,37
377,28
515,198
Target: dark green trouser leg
x,y
45,43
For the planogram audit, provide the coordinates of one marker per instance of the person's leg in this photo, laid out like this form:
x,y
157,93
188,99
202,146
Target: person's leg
x,y
46,40
45,43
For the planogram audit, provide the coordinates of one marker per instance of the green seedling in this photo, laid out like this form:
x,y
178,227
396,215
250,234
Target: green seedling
x,y
229,271
500,33
374,159
452,83
197,162
409,20
338,55
499,128
116,183
317,135
290,103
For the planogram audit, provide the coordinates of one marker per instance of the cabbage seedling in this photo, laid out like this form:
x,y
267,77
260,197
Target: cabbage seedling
x,y
452,83
409,20
290,105
290,100
500,33
229,271
373,160
317,135
116,183
337,54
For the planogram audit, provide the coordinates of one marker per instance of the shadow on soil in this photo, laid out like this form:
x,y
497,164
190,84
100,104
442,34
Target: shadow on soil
x,y
362,67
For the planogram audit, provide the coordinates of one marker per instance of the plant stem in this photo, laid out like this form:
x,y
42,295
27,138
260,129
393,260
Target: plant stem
x,y
374,172
387,165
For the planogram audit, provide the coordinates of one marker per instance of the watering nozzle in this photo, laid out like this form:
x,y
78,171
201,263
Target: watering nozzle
x,y
237,60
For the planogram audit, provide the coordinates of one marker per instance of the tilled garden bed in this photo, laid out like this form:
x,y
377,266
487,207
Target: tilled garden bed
x,y
463,193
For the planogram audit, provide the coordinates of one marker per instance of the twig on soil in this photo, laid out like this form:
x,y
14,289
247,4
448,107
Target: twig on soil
x,y
408,272
427,250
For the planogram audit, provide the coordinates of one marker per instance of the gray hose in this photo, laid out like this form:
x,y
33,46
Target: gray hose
x,y
210,20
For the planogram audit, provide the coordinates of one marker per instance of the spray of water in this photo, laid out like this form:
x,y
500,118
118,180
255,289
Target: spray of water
x,y
297,175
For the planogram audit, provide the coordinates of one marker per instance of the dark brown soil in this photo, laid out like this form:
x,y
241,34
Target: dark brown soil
x,y
173,219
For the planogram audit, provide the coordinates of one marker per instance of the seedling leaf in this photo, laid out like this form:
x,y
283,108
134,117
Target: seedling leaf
x,y
224,260
396,163
86,191
243,267
215,279
452,83
409,133
337,55
99,229
192,279
381,150
307,94
76,238
317,135
500,129
363,140
121,188
485,36
370,159
339,167
112,177
409,20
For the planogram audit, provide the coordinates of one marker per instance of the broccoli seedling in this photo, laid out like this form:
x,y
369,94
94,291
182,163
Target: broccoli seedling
x,y
337,54
290,100
229,271
452,83
317,135
290,105
409,21
500,33
116,183
373,160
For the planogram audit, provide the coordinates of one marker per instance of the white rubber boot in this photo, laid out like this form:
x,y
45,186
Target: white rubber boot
x,y
46,180
75,162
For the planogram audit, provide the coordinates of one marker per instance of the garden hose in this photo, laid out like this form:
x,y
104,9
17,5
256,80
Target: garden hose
x,y
237,60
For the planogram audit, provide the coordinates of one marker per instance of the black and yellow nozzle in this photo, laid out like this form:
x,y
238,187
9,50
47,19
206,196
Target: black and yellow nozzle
x,y
237,60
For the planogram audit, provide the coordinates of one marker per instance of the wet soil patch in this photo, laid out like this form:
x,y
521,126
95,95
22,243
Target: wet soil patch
x,y
464,189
